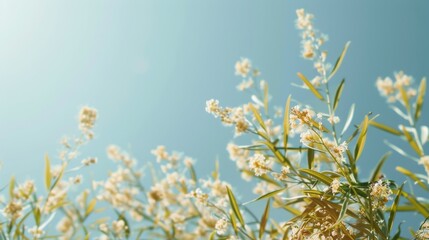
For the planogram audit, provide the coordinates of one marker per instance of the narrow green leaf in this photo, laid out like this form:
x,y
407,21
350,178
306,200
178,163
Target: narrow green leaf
x,y
380,164
419,207
385,128
37,215
394,207
212,235
420,99
310,158
339,61
267,195
233,222
90,207
215,173
405,99
234,206
286,123
266,98
319,176
11,187
412,142
411,175
398,233
60,176
343,209
264,219
310,86
361,139
193,173
257,116
48,175
338,93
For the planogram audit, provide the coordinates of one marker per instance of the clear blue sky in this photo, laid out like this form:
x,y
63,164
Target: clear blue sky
x,y
149,66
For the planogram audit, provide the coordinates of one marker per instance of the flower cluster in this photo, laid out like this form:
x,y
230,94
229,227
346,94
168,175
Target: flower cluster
x,y
392,89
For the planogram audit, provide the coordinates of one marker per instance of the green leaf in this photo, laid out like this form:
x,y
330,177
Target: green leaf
x,y
212,235
338,93
11,187
405,99
90,207
412,142
339,61
234,206
394,207
193,173
286,123
343,209
411,175
215,173
264,219
419,207
362,138
420,99
310,86
385,128
258,116
319,176
233,222
310,158
380,164
267,195
37,215
398,233
48,175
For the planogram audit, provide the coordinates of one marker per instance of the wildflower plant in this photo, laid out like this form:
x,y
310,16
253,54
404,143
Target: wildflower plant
x,y
302,160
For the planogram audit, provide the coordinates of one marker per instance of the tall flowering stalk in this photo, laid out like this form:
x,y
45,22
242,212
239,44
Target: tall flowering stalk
x,y
303,162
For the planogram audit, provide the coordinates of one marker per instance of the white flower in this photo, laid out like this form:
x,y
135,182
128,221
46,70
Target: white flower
x,y
335,185
37,232
258,164
221,226
243,67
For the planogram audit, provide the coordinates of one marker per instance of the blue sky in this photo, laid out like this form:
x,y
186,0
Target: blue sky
x,y
149,66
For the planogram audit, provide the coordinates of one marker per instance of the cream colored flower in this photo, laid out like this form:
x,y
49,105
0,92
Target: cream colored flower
x,y
243,67
335,185
221,226
259,164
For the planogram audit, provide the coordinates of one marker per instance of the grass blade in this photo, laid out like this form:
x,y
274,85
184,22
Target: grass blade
x,y
310,86
339,61
412,142
343,209
411,175
394,207
362,138
310,158
405,99
420,99
286,123
267,195
234,206
48,176
258,116
264,219
338,93
319,176
385,128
